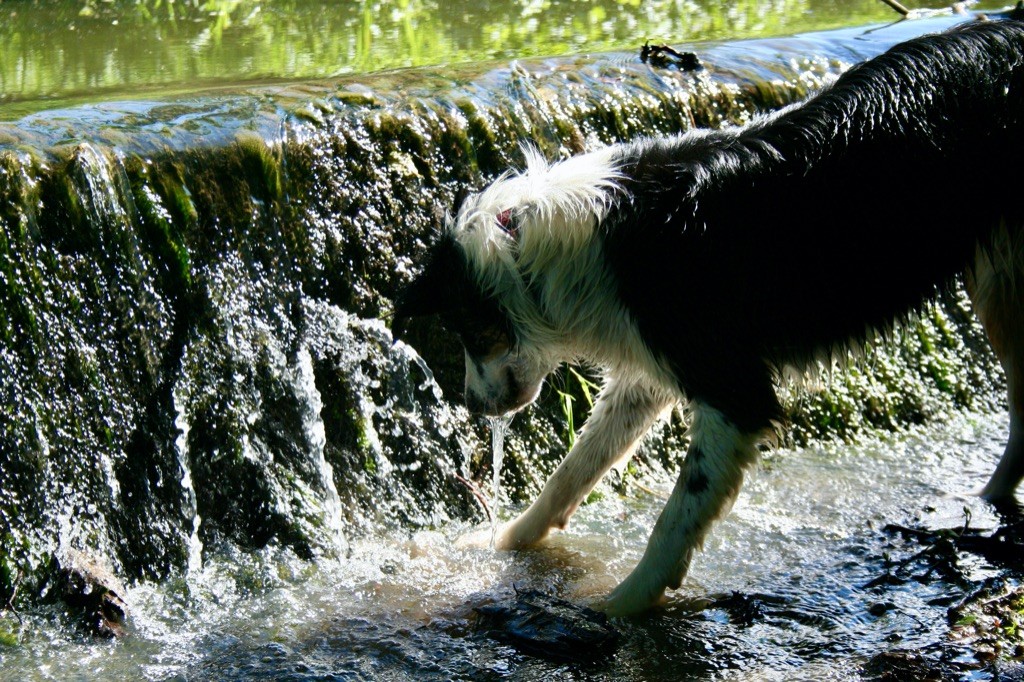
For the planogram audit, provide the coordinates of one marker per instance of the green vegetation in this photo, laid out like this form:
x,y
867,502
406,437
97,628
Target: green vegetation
x,y
7,638
990,622
923,368
576,386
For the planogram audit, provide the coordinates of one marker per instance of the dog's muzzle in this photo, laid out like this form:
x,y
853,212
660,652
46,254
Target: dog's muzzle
x,y
494,388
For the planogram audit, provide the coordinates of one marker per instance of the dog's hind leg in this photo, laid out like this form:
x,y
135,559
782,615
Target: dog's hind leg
x,y
622,414
996,285
707,486
1010,470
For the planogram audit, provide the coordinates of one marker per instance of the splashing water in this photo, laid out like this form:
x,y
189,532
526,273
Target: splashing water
x,y
304,382
788,587
499,427
195,544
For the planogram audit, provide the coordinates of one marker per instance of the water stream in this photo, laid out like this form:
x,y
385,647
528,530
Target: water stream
x,y
195,544
499,429
786,589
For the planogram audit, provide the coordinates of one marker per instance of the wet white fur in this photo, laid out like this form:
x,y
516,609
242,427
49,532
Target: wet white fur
x,y
725,453
622,414
550,276
996,286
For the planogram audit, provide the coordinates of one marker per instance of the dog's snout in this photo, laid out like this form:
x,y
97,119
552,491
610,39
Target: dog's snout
x,y
488,407
495,385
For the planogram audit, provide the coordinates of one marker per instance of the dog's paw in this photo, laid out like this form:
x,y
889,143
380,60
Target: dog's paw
x,y
475,539
512,535
521,533
630,598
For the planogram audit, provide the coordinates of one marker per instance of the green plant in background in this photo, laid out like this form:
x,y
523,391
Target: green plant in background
x,y
587,389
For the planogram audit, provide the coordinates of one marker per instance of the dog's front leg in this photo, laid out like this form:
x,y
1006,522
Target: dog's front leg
x,y
707,486
622,414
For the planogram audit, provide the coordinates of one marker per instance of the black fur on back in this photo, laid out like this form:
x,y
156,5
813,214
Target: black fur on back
x,y
740,251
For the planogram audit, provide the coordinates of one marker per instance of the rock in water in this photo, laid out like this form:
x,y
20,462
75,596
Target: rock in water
x,y
84,584
543,625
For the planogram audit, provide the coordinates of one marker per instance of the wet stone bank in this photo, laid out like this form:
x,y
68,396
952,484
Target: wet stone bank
x,y
194,353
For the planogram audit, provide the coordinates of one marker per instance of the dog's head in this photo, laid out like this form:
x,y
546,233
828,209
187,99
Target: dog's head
x,y
502,267
503,371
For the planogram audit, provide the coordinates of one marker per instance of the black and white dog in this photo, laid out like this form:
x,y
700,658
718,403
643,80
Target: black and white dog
x,y
698,267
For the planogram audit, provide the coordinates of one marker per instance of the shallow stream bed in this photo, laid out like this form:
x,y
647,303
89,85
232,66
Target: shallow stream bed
x,y
801,582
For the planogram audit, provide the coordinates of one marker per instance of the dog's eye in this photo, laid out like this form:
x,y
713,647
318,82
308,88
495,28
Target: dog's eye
x,y
481,325
484,335
484,340
484,348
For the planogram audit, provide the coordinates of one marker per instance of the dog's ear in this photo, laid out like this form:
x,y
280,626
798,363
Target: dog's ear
x,y
442,218
461,194
435,290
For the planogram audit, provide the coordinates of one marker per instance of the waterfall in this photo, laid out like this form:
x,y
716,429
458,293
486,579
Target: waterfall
x,y
305,384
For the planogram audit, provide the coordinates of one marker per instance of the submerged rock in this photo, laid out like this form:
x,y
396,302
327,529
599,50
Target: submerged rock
x,y
543,625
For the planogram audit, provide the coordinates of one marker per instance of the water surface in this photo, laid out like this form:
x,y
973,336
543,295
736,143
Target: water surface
x,y
68,51
788,588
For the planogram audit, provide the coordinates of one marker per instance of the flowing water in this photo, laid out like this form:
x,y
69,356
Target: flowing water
x,y
788,587
499,429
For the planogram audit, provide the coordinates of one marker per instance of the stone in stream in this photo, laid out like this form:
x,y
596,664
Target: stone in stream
x,y
85,585
542,625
